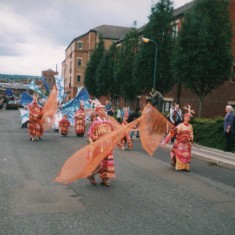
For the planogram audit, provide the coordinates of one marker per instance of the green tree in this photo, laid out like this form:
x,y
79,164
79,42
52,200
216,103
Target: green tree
x,y
160,30
124,65
105,73
202,58
91,69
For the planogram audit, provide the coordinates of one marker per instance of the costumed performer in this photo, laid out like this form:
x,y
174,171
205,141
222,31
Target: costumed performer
x,y
34,124
64,125
102,126
181,151
80,120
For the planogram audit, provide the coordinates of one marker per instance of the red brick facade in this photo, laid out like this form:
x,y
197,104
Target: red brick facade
x,y
215,102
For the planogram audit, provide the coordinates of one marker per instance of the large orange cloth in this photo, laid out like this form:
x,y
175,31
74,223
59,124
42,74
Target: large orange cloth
x,y
49,110
153,125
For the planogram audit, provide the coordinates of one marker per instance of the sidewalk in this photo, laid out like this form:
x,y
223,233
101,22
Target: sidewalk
x,y
214,156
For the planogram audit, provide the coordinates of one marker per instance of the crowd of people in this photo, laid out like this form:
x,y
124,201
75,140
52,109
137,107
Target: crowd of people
x,y
180,135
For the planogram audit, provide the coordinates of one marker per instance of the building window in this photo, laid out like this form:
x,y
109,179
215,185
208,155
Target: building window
x,y
78,78
79,45
167,103
79,62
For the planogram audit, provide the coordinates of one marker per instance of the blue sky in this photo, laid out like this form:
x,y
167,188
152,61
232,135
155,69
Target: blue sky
x,y
34,34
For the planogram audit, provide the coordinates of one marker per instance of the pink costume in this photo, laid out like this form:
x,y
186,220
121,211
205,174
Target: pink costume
x,y
80,121
99,128
181,151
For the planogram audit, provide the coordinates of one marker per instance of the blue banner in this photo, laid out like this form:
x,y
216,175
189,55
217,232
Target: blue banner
x,y
71,106
25,99
35,88
60,88
8,92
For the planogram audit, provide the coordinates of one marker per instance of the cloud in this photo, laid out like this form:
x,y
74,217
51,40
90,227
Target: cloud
x,y
35,34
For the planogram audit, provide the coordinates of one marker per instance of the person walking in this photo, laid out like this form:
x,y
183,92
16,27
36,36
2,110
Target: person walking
x,y
35,114
228,126
64,125
99,128
181,151
80,120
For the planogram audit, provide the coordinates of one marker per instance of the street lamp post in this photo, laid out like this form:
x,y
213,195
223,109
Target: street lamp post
x,y
157,97
147,40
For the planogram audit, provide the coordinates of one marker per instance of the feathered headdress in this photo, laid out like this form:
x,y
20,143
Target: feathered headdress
x,y
190,111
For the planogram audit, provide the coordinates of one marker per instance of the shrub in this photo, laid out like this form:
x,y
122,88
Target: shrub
x,y
210,133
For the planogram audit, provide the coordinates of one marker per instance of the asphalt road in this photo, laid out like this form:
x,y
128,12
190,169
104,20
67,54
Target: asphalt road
x,y
147,196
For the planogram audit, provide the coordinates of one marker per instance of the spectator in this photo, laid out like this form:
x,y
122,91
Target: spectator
x,y
176,115
108,108
119,115
228,126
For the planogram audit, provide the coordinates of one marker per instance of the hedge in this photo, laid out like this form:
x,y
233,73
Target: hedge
x,y
210,133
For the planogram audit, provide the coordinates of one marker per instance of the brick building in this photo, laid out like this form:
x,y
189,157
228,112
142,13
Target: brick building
x,y
79,50
49,77
215,102
78,53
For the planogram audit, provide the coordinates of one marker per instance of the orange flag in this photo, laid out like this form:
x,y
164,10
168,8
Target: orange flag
x,y
152,128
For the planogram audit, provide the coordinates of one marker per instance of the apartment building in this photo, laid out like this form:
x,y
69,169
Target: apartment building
x,y
79,50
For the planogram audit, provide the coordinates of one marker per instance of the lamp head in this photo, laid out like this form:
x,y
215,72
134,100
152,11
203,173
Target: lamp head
x,y
145,40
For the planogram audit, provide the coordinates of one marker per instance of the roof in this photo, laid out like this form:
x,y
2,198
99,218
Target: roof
x,y
111,31
181,10
107,31
177,13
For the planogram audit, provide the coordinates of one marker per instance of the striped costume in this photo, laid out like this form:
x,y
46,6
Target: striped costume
x,y
181,152
80,122
99,128
34,124
64,125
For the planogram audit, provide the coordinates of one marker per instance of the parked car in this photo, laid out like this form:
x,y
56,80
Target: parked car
x,y
9,103
3,102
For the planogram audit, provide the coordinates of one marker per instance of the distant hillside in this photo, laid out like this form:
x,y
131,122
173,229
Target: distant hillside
x,y
18,78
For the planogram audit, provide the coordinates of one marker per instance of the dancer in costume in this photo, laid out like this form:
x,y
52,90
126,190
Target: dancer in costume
x,y
100,127
181,151
64,125
80,120
34,124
